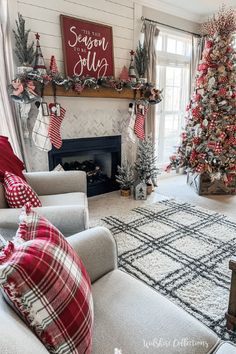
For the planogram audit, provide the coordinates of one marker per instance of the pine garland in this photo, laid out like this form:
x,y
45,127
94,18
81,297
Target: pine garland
x,y
24,52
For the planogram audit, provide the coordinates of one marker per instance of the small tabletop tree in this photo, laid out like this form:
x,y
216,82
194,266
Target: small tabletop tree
x,y
24,52
125,176
146,161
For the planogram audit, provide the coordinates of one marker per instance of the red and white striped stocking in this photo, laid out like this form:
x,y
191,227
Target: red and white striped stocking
x,y
140,122
55,125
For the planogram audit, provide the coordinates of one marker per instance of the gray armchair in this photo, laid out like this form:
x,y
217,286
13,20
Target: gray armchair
x,y
64,202
129,316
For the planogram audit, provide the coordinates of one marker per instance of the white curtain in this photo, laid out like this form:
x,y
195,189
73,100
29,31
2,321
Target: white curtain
x,y
196,55
151,33
10,124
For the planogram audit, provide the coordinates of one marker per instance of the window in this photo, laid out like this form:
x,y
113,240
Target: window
x,y
173,56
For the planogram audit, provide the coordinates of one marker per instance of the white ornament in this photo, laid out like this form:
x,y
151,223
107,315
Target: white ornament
x,y
205,122
211,82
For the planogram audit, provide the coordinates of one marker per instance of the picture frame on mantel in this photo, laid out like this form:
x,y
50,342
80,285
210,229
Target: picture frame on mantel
x,y
87,48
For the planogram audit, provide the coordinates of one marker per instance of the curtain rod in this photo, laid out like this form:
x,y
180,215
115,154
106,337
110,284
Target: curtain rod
x,y
163,24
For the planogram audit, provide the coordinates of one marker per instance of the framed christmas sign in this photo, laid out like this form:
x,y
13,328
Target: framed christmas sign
x,y
87,47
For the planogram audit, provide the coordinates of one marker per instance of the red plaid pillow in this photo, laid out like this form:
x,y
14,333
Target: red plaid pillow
x,y
18,192
8,160
47,283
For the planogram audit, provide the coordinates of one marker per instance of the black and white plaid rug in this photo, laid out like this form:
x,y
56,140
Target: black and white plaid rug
x,y
183,251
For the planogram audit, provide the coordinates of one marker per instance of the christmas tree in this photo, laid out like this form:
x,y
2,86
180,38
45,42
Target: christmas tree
x,y
53,66
209,140
125,176
39,63
146,161
24,52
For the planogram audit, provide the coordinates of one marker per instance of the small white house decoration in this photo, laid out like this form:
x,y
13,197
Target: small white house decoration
x,y
140,191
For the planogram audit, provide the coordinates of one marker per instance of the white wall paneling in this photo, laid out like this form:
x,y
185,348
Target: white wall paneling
x,y
85,117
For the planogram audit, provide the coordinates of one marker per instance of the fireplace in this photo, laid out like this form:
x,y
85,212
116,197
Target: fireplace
x,y
98,157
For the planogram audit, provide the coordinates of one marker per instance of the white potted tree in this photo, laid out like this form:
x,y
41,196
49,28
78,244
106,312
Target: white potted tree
x,y
125,178
146,163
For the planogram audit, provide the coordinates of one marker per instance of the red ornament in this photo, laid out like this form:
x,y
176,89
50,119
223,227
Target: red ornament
x,y
212,125
230,50
200,81
231,140
223,79
229,65
200,168
209,44
196,112
196,140
218,147
222,136
197,97
222,91
203,67
231,127
211,145
229,179
193,156
202,155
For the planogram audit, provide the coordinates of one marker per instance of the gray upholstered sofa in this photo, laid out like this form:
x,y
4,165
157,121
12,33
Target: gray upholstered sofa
x,y
64,202
130,317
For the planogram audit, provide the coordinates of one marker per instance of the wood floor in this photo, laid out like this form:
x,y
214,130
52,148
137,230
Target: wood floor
x,y
169,186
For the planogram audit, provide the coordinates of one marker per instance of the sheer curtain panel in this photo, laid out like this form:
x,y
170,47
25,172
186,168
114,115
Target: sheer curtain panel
x,y
10,125
151,33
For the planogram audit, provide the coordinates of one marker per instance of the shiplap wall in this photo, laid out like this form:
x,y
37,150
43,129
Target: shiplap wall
x,y
85,117
44,17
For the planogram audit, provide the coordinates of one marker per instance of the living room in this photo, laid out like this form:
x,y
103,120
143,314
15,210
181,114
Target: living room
x,y
99,152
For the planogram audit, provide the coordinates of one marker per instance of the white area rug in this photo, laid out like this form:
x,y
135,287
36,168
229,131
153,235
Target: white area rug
x,y
183,251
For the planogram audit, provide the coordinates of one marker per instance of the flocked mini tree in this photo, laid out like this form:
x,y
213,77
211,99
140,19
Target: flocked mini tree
x,y
25,52
209,140
125,176
146,163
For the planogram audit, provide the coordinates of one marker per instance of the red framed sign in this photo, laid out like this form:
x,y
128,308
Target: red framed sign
x,y
87,48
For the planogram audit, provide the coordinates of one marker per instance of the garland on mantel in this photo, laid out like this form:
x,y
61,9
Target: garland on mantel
x,y
20,92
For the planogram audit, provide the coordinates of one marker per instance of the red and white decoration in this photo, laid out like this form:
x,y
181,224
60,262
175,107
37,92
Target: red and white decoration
x,y
48,285
53,66
18,192
140,121
56,119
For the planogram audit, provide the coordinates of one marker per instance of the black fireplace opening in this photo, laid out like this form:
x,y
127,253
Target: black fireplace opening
x,y
98,157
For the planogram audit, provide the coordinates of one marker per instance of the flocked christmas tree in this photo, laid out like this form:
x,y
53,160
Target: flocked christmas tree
x,y
24,51
209,140
125,176
145,164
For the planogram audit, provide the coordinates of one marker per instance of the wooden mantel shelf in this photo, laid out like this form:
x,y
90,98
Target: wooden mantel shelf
x,y
101,92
